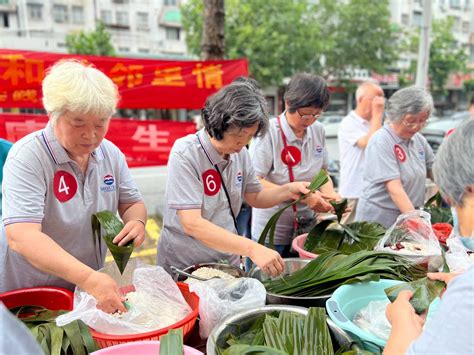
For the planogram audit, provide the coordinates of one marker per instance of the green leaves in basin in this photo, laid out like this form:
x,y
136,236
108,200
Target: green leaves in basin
x,y
108,221
172,342
269,230
424,292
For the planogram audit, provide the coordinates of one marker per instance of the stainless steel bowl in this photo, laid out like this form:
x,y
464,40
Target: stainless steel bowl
x,y
242,321
291,265
230,269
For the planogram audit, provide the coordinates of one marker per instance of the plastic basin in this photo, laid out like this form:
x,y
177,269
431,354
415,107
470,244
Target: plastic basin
x,y
298,244
52,298
142,348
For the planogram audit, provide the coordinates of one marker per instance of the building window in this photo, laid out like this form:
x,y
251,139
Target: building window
x,y
143,50
106,16
124,49
172,33
4,20
170,2
35,11
465,27
78,14
455,4
417,18
142,21
122,18
405,19
60,13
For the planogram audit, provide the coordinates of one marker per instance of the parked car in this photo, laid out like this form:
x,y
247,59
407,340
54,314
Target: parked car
x,y
436,130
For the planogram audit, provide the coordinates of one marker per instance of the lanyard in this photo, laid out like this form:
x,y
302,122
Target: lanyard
x,y
222,182
290,173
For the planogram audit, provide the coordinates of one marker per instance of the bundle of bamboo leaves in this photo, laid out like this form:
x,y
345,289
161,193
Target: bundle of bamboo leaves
x,y
269,231
348,239
73,338
284,333
112,226
438,213
172,342
332,269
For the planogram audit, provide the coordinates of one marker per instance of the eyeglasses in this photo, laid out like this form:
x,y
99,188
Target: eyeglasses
x,y
415,124
309,116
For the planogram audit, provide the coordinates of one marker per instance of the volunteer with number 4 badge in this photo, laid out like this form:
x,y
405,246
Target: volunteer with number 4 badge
x,y
56,178
398,159
209,176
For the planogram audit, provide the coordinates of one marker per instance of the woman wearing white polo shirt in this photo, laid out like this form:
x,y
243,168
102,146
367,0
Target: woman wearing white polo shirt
x,y
209,176
398,159
56,178
294,149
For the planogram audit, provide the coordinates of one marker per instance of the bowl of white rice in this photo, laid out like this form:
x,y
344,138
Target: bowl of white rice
x,y
209,270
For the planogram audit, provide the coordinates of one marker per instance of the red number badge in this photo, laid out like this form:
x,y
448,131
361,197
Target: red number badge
x,y
64,185
290,156
212,182
400,153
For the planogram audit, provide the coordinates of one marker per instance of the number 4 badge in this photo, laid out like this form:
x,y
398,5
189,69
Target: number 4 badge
x,y
65,186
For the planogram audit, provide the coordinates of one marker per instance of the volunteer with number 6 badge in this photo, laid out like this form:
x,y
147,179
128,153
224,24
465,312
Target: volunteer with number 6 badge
x,y
398,159
56,178
209,176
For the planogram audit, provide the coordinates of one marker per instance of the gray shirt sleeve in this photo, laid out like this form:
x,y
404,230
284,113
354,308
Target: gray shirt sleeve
x,y
24,190
128,192
261,153
429,155
383,164
184,188
451,329
326,153
251,183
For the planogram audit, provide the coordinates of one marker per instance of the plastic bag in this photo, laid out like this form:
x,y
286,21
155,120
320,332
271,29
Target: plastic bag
x,y
411,236
219,299
157,302
457,256
372,319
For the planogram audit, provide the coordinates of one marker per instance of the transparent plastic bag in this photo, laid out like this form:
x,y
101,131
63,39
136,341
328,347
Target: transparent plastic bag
x,y
219,299
157,302
372,319
457,256
412,236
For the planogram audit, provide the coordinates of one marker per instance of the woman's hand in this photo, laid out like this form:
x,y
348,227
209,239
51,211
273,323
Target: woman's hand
x,y
402,313
268,260
318,202
133,229
297,189
105,290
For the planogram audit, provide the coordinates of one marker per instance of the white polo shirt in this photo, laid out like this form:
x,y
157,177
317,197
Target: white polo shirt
x,y
351,156
42,184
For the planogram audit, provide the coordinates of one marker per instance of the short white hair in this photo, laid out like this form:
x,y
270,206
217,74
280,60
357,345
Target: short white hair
x,y
71,85
363,88
410,100
453,169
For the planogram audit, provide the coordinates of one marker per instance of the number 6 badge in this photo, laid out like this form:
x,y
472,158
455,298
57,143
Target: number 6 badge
x,y
64,185
212,182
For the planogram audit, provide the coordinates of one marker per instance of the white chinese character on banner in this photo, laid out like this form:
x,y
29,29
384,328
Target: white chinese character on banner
x,y
150,139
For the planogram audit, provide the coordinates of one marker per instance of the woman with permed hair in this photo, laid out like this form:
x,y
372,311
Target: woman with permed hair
x,y
209,176
294,149
56,178
398,159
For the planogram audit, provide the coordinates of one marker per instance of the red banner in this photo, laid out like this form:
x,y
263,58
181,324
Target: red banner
x,y
144,143
142,83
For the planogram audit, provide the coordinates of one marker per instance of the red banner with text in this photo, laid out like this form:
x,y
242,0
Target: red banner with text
x,y
144,143
143,83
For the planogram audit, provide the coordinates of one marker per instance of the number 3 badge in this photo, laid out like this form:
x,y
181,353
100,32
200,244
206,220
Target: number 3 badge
x,y
212,182
400,153
64,185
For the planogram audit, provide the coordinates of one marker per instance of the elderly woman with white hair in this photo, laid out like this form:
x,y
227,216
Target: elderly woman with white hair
x,y
451,329
56,178
210,174
398,159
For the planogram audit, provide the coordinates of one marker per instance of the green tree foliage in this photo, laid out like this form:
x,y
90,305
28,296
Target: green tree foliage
x,y
446,54
282,37
97,42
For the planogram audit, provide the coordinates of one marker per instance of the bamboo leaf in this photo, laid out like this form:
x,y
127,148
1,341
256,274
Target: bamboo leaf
x,y
339,208
269,231
112,226
74,335
244,349
172,342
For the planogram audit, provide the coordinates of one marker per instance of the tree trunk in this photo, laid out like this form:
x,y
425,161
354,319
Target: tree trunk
x,y
212,46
